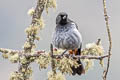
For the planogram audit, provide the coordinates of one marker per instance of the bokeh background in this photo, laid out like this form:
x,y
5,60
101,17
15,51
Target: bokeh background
x,y
88,14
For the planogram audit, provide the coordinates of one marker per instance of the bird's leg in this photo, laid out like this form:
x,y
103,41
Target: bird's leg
x,y
73,52
64,52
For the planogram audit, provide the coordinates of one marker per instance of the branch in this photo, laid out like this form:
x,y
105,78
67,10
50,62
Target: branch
x,y
4,50
41,52
38,11
109,37
82,56
31,37
52,60
20,52
34,27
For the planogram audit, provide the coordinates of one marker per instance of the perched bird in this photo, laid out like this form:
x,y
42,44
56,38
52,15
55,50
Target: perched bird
x,y
67,37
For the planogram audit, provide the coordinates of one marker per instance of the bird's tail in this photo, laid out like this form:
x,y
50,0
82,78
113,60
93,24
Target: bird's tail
x,y
80,69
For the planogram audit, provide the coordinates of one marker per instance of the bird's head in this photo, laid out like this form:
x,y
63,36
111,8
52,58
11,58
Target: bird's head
x,y
62,18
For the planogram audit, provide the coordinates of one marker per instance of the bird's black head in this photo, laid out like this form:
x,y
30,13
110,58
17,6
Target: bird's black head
x,y
62,18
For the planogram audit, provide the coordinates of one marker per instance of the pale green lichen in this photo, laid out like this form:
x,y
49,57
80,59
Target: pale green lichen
x,y
27,72
16,76
31,11
32,30
57,76
5,55
58,51
29,47
40,23
5,50
12,55
65,64
26,45
23,60
102,63
37,38
43,61
50,4
20,75
14,58
88,64
92,49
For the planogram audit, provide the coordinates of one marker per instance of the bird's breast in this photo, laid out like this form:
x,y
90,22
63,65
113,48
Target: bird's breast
x,y
67,39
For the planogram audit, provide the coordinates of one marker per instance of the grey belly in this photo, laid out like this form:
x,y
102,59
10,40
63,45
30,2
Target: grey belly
x,y
66,41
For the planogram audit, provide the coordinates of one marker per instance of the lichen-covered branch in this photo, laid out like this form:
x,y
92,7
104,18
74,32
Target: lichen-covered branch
x,y
35,26
62,63
38,11
109,37
40,52
4,50
29,46
82,56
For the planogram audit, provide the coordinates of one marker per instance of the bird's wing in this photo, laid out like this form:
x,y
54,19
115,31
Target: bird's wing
x,y
73,22
79,50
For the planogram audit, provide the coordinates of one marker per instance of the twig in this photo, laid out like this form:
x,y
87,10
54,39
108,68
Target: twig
x,y
109,37
64,52
52,60
98,42
4,50
82,56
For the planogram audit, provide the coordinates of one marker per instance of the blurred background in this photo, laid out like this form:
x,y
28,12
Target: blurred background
x,y
88,14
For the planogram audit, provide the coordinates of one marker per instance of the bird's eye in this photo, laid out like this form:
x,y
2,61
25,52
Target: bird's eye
x,y
59,16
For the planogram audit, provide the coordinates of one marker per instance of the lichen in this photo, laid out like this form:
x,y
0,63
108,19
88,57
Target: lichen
x,y
92,49
43,61
57,76
65,64
31,11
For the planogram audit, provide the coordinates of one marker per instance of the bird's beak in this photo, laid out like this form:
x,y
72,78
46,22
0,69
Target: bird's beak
x,y
64,17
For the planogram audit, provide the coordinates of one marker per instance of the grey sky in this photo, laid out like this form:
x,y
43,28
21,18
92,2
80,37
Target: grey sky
x,y
88,14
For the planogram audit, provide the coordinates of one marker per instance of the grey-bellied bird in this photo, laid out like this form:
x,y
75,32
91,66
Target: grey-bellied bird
x,y
67,36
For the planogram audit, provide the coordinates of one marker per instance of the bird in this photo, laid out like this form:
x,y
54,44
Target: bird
x,y
66,36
